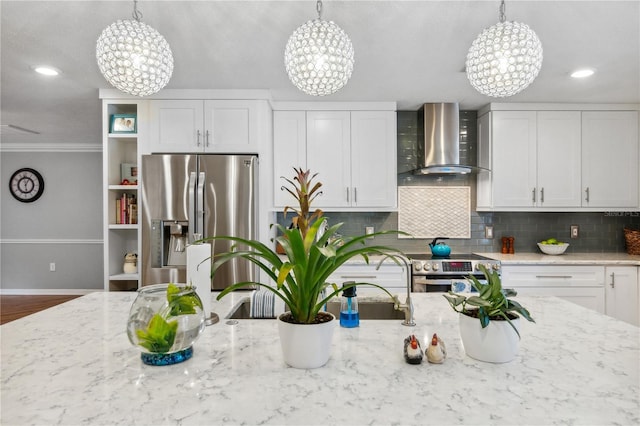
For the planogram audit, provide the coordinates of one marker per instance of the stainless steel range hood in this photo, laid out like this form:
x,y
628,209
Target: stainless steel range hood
x,y
439,140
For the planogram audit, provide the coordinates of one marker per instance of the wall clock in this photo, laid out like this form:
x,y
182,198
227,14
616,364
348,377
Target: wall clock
x,y
26,185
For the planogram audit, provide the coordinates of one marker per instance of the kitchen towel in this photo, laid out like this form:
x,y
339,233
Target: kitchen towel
x,y
434,211
199,273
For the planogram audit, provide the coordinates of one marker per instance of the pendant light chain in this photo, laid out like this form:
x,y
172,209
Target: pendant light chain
x,y
503,9
319,9
137,15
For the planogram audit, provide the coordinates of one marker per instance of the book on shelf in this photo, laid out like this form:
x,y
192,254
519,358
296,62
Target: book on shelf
x,y
126,210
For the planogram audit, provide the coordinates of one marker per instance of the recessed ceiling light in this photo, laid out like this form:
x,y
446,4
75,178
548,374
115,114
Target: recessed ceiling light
x,y
46,70
582,73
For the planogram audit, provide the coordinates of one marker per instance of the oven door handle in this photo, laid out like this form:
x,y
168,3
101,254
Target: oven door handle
x,y
431,281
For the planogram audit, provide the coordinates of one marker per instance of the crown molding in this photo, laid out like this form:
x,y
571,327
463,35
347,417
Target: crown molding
x,y
49,147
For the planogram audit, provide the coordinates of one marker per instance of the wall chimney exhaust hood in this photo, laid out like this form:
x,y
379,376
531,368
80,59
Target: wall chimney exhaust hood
x,y
439,140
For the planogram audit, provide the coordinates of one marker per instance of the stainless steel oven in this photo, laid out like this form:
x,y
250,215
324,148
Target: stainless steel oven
x,y
441,274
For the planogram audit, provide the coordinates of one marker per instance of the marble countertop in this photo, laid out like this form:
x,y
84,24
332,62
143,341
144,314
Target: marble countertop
x,y
565,259
73,364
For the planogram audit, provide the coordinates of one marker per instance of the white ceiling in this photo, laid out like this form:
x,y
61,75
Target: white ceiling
x,y
410,52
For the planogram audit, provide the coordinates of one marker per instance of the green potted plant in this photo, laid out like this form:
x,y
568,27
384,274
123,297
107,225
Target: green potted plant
x,y
299,277
489,320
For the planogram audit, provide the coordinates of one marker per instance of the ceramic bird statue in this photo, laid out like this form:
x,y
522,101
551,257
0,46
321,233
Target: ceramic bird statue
x,y
412,350
436,352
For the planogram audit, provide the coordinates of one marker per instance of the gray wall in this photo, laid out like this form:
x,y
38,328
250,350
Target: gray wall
x,y
63,227
599,232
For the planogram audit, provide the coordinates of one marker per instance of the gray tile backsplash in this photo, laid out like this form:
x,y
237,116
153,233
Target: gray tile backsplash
x,y
599,232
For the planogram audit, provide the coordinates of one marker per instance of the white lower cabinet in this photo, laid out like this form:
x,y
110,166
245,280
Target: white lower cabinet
x,y
622,293
391,276
583,285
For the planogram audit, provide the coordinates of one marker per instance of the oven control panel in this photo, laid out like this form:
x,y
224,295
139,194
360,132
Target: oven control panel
x,y
452,267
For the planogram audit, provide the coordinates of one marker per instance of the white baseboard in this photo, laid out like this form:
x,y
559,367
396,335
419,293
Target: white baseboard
x,y
47,291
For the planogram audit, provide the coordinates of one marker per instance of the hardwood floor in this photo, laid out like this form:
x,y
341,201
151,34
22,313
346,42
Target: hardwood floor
x,y
14,307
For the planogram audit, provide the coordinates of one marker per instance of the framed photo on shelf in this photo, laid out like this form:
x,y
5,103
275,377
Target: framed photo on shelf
x,y
128,174
123,123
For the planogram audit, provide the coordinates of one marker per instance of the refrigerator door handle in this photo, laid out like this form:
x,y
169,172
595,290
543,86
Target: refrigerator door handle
x,y
200,205
192,206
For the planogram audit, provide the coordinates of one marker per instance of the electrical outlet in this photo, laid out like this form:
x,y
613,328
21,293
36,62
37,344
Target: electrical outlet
x,y
368,230
52,267
488,232
575,233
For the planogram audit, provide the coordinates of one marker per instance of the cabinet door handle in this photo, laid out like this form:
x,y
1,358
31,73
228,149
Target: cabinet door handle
x,y
542,195
206,138
554,276
347,194
355,194
533,196
360,277
613,280
198,137
587,194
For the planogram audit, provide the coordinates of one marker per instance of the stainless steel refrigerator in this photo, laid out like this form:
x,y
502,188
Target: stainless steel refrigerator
x,y
186,195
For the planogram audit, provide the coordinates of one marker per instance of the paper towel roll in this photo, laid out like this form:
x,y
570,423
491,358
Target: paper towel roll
x,y
199,273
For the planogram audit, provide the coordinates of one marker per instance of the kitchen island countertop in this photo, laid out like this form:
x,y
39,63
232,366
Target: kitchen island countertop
x,y
565,259
73,364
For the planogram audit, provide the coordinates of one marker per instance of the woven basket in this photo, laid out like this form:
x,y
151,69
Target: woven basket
x,y
632,240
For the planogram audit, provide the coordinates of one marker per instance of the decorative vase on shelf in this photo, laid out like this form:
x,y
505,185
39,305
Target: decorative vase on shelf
x,y
164,322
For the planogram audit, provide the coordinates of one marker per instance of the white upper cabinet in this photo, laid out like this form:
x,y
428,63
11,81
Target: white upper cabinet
x,y
353,152
290,150
204,126
557,160
610,159
329,155
536,159
373,164
514,158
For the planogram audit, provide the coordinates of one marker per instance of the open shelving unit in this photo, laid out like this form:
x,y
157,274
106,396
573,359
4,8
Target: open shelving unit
x,y
121,234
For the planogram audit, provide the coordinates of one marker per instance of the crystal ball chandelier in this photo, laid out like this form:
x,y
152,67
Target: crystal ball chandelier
x,y
319,56
504,59
133,57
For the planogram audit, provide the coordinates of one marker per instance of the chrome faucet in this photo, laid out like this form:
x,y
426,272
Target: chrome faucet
x,y
407,307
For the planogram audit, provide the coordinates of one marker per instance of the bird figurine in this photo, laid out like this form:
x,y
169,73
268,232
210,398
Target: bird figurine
x,y
412,350
436,352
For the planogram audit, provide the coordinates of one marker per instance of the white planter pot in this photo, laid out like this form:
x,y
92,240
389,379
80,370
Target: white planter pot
x,y
306,345
498,342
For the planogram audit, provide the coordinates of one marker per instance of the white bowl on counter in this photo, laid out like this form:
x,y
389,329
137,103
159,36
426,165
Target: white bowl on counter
x,y
553,249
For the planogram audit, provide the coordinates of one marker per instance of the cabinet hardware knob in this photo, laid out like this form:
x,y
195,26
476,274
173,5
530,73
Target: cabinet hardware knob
x,y
587,194
542,195
533,196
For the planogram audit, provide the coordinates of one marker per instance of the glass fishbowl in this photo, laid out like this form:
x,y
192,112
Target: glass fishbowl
x,y
164,322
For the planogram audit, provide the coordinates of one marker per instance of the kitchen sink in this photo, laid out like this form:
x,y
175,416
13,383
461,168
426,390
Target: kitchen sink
x,y
368,309
372,310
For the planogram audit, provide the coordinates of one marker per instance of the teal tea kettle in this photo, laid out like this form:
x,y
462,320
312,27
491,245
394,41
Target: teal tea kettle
x,y
439,249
